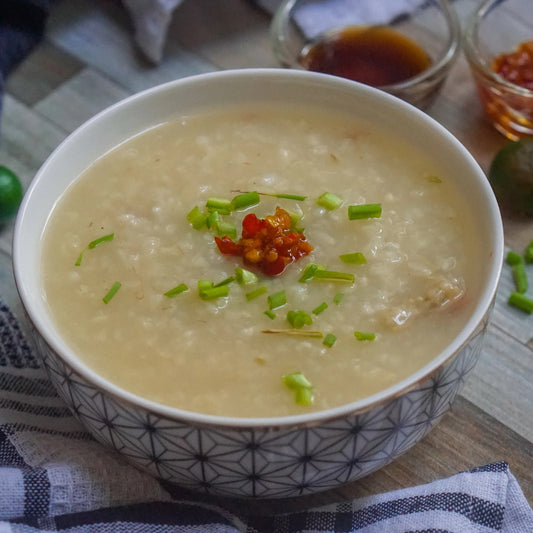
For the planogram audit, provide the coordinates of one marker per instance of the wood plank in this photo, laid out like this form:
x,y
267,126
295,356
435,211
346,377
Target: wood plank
x,y
79,99
99,34
45,69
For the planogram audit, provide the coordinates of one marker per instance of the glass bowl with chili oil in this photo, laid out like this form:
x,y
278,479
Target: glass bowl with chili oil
x,y
498,45
404,47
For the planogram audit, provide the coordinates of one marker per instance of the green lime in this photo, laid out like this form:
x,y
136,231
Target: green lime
x,y
511,176
10,194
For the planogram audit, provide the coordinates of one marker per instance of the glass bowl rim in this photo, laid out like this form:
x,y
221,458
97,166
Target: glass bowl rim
x,y
473,55
451,52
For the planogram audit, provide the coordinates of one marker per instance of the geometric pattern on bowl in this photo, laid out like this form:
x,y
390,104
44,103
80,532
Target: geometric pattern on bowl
x,y
264,462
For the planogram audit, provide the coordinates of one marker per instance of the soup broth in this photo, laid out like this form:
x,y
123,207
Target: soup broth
x,y
216,356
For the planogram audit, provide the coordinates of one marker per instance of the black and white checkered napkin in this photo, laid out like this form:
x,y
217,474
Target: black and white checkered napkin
x,y
55,477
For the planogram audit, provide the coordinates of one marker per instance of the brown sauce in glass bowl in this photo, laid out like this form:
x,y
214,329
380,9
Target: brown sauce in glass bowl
x,y
374,55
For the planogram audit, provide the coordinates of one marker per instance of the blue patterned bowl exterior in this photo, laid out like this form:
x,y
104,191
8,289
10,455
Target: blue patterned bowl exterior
x,y
264,462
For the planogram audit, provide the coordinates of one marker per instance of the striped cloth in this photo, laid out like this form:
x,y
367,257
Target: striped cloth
x,y
55,477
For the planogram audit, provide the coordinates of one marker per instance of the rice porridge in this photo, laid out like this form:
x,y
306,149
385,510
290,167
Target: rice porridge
x,y
142,284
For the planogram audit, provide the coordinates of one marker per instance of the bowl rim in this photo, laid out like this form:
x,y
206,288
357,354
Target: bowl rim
x,y
473,55
451,53
260,75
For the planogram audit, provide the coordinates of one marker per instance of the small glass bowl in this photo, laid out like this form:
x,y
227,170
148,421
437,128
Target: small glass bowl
x,y
498,27
433,26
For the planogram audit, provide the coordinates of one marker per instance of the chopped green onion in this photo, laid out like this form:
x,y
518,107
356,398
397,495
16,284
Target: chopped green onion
x,y
218,203
219,210
355,258
94,244
296,380
337,299
270,314
225,229
204,284
520,277
301,386
329,201
245,277
196,218
286,196
303,396
528,254
295,221
521,302
356,212
434,179
299,319
245,200
100,240
226,281
176,290
112,291
295,332
330,275
257,292
276,300
309,272
80,257
329,340
513,258
322,307
214,292
361,336
212,220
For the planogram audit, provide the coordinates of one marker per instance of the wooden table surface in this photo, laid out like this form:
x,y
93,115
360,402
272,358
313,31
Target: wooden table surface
x,y
87,61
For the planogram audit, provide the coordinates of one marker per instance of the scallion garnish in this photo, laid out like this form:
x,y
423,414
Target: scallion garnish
x,y
196,218
301,386
309,272
337,299
276,300
329,201
245,200
295,332
513,258
286,196
212,219
362,336
299,319
94,244
226,281
329,340
270,314
520,277
528,254
214,292
218,203
112,291
245,277
322,307
100,240
252,295
521,302
204,284
357,212
176,290
295,221
225,229
330,275
355,258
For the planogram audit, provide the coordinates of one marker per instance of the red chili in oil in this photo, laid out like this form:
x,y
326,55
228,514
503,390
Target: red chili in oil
x,y
374,55
267,244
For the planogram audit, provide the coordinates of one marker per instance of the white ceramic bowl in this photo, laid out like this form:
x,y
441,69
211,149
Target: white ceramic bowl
x,y
274,457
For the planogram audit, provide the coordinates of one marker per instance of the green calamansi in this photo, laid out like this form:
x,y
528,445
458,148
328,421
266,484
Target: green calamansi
x,y
10,194
511,177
